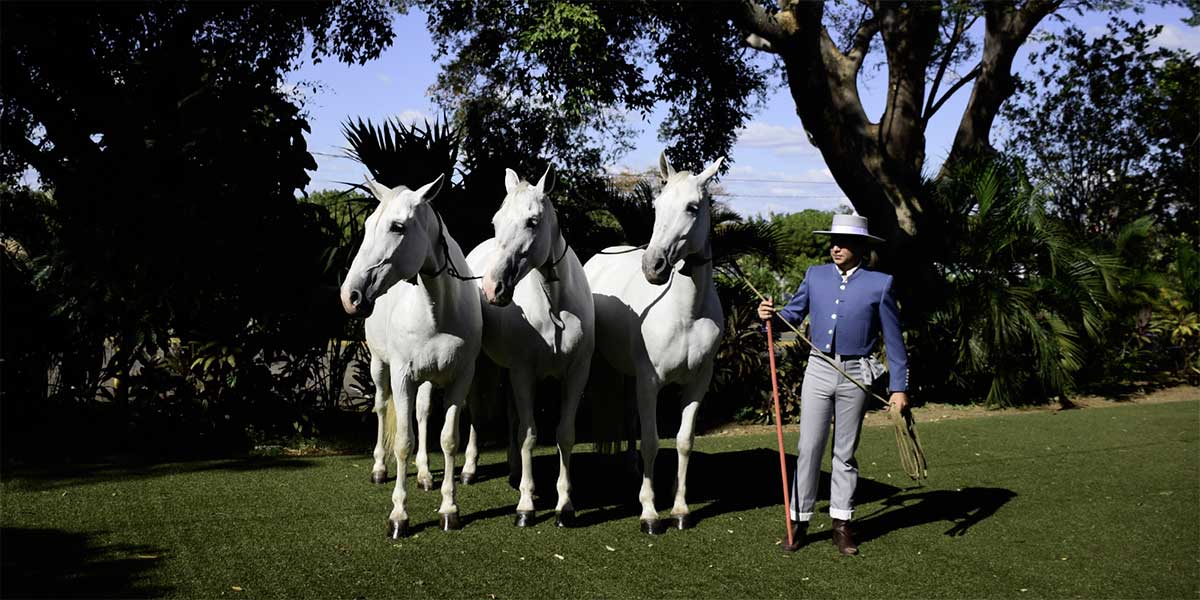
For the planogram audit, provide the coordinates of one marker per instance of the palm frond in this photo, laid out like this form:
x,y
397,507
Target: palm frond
x,y
398,154
731,240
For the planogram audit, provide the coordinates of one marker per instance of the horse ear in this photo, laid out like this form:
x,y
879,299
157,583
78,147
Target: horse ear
x,y
546,183
712,169
511,179
664,166
430,190
378,190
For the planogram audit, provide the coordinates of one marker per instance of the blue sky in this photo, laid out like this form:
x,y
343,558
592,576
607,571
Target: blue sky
x,y
775,168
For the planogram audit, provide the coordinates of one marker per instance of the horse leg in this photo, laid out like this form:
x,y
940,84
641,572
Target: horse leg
x,y
456,398
483,387
692,395
522,386
424,477
573,385
629,393
383,389
403,391
647,397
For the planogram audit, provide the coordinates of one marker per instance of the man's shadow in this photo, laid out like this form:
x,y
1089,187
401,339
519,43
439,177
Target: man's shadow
x,y
962,509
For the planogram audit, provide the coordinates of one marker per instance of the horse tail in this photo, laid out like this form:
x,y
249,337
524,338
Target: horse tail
x,y
606,412
389,431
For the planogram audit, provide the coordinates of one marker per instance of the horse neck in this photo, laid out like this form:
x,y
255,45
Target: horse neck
x,y
558,249
440,287
697,295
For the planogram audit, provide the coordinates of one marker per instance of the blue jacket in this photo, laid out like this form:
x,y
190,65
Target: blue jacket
x,y
848,318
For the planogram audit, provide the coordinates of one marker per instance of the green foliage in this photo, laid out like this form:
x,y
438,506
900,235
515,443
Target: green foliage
x,y
804,249
1022,295
578,68
1107,127
172,158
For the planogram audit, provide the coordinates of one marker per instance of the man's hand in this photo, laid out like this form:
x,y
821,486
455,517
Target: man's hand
x,y
766,309
898,401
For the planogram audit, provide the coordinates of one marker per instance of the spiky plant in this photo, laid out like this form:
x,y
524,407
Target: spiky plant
x,y
1022,294
399,154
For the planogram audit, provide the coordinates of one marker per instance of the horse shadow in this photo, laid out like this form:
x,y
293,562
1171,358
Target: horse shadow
x,y
50,563
717,483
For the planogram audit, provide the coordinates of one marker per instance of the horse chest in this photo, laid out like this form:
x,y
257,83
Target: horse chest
x,y
680,347
418,346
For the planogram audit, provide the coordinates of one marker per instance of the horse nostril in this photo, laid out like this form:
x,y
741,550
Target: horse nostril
x,y
355,297
660,264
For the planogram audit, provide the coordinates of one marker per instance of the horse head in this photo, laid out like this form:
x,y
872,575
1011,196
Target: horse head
x,y
526,229
682,220
399,237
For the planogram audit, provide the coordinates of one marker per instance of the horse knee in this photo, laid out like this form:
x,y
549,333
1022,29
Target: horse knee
x,y
684,444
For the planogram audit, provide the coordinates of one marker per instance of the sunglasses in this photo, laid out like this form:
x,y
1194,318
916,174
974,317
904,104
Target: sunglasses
x,y
843,241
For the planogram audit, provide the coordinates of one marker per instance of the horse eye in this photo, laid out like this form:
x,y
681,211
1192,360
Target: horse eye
x,y
693,208
397,227
531,223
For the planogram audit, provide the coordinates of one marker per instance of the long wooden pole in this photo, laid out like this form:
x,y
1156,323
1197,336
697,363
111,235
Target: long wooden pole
x,y
787,504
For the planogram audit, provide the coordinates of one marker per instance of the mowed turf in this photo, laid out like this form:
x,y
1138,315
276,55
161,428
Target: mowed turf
x,y
1095,503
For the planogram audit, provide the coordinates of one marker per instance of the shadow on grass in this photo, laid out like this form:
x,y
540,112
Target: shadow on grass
x,y
605,488
49,563
962,509
48,478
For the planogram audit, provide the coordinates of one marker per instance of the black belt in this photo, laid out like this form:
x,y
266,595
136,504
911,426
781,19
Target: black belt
x,y
843,357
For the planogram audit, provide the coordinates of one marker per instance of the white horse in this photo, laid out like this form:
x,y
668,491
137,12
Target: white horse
x,y
662,334
538,322
427,328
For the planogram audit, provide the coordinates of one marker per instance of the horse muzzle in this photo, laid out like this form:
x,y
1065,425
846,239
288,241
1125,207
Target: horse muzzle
x,y
496,292
656,266
356,303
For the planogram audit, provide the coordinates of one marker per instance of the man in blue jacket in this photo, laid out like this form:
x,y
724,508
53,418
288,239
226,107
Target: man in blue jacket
x,y
848,307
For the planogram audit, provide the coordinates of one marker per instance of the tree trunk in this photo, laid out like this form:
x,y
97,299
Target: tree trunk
x,y
879,165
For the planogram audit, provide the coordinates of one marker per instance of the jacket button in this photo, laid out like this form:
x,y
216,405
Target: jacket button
x,y
842,287
830,332
834,317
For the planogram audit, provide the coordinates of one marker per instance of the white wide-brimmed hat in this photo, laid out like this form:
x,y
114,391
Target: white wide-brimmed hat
x,y
850,225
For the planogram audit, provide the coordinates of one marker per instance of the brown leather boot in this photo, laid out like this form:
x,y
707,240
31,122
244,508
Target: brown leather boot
x,y
799,532
843,538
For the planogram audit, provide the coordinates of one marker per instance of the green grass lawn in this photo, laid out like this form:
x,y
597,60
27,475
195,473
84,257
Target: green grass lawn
x,y
1096,503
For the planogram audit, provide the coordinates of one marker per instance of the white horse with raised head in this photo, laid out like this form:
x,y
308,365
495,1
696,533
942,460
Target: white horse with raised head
x,y
538,322
658,319
423,327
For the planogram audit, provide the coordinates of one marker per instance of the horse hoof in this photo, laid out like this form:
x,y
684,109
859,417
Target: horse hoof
x,y
682,522
378,477
564,518
397,529
426,484
524,518
654,527
467,478
450,522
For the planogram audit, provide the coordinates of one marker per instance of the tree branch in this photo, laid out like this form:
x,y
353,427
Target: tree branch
x,y
959,27
1006,29
931,110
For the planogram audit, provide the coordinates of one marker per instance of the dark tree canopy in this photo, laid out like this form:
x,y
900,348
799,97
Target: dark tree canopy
x,y
172,156
577,69
590,63
1108,126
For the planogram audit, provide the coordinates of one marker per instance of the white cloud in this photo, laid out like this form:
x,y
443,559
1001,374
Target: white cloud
x,y
779,138
1179,38
384,77
411,116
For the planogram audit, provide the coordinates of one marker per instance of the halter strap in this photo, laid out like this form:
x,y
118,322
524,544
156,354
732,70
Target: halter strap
x,y
448,266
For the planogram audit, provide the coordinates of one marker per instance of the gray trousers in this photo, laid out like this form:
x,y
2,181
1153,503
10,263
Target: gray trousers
x,y
827,394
